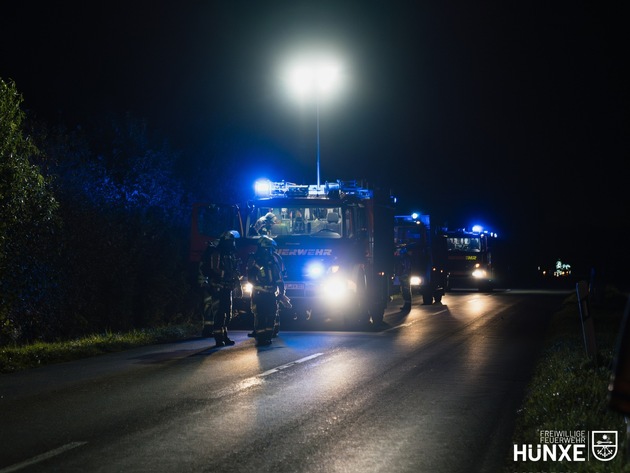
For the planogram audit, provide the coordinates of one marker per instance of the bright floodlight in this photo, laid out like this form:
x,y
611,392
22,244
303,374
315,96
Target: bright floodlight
x,y
314,78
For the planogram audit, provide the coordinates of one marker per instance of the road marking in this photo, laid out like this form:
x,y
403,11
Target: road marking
x,y
256,380
409,324
42,457
288,365
399,326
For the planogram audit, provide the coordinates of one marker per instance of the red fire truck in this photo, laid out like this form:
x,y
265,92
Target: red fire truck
x,y
335,240
468,260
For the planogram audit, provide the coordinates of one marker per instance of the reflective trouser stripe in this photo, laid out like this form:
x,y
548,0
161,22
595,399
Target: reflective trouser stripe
x,y
264,333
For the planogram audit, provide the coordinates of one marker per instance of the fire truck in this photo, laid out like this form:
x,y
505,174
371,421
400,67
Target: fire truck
x,y
415,244
468,259
335,240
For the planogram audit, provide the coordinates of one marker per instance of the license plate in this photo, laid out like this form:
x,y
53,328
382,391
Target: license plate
x,y
292,285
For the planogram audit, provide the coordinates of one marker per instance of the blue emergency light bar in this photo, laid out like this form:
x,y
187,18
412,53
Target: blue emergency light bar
x,y
264,188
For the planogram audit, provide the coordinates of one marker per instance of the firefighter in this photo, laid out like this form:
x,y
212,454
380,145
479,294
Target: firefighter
x,y
403,269
219,277
265,272
263,224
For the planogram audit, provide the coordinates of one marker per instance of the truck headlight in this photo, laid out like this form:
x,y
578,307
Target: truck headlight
x,y
335,288
479,274
415,281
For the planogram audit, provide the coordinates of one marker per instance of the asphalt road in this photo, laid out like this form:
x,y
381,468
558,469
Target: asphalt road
x,y
434,390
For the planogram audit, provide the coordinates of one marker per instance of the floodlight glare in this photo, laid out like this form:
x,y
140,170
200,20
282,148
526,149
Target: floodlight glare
x,y
312,79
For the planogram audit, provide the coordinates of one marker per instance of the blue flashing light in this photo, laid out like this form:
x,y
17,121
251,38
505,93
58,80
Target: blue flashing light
x,y
477,228
262,187
315,270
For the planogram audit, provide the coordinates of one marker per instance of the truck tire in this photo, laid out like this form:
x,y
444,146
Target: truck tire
x,y
379,297
358,315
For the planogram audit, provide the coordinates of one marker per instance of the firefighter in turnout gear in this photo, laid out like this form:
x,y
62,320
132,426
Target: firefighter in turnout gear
x,y
403,269
219,277
263,224
265,272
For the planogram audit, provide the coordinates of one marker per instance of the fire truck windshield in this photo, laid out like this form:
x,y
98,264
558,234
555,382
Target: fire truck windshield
x,y
327,222
469,244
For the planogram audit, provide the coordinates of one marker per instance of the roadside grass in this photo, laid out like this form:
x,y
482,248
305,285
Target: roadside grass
x,y
569,392
17,358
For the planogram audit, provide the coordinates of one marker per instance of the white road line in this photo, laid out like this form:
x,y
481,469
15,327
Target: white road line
x,y
399,326
408,324
256,380
42,457
283,367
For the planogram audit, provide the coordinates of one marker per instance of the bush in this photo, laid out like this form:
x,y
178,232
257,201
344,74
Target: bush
x,y
29,231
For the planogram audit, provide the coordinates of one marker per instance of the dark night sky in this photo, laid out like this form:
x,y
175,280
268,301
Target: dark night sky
x,y
514,113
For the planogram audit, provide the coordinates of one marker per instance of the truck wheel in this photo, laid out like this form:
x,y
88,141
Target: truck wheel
x,y
358,315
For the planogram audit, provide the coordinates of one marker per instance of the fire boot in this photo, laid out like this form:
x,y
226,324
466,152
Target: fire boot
x,y
218,338
226,340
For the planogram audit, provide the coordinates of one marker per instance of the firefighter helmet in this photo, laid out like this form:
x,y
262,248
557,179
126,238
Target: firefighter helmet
x,y
227,241
267,243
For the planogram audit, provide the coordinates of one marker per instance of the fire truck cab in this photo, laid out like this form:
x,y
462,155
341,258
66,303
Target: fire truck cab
x,y
416,246
469,258
335,240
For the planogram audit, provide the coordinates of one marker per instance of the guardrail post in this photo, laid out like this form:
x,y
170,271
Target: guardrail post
x,y
588,329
